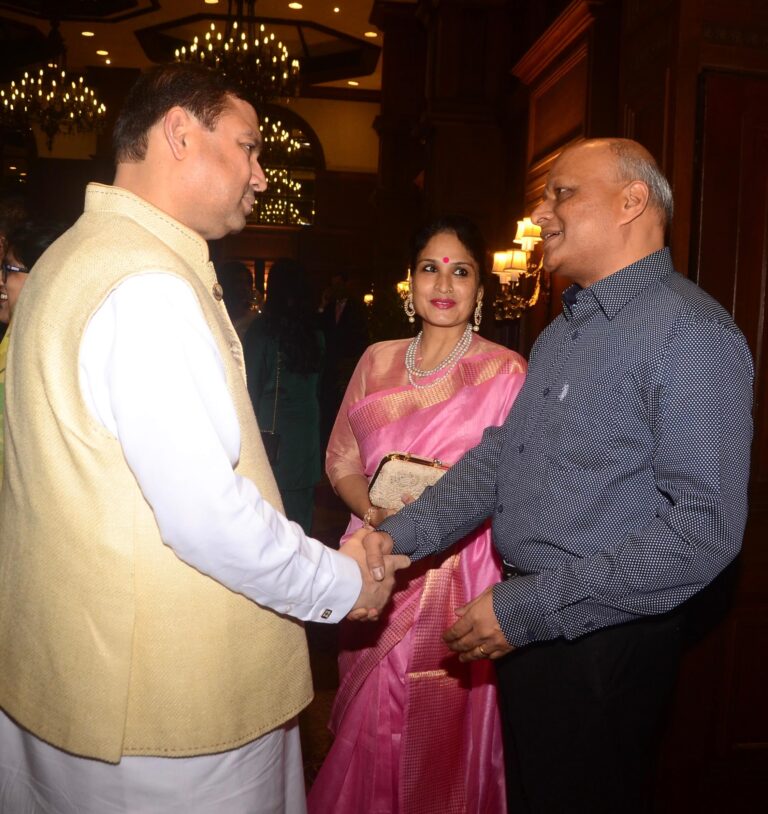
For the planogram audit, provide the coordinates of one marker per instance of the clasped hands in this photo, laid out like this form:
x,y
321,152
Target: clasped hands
x,y
375,593
475,635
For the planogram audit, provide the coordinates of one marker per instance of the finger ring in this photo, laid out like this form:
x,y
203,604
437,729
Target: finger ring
x,y
482,650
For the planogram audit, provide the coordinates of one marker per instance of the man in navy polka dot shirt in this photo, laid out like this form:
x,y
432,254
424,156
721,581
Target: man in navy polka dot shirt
x,y
617,489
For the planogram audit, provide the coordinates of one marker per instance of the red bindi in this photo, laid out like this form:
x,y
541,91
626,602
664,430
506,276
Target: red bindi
x,y
446,259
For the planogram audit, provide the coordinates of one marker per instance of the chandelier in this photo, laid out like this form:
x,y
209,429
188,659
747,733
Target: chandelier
x,y
247,54
287,200
52,98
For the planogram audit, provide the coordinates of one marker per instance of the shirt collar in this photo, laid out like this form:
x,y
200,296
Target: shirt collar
x,y
613,292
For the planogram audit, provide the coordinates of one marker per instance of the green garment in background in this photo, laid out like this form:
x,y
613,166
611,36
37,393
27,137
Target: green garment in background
x,y
297,420
3,359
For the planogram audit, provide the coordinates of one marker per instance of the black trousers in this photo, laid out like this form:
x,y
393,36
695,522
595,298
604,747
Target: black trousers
x,y
582,719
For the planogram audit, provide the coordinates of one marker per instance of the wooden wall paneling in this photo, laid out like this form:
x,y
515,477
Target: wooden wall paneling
x,y
558,106
467,84
571,72
732,231
649,42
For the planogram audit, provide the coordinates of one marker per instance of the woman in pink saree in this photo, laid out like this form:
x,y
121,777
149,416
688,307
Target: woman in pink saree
x,y
415,730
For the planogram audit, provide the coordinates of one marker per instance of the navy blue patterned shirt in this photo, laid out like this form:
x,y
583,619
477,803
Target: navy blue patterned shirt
x,y
618,483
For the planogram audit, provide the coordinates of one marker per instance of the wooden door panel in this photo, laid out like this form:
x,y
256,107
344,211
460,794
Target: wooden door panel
x,y
716,750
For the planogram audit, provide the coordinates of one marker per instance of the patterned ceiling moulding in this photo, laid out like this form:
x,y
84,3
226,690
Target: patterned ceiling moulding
x,y
23,44
96,11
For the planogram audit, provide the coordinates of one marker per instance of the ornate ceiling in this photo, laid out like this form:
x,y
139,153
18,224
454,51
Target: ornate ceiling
x,y
332,45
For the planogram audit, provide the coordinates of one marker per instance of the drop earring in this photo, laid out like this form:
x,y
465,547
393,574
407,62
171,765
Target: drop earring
x,y
478,315
410,311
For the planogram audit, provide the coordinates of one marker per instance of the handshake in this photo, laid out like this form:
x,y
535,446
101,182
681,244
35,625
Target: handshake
x,y
476,634
377,582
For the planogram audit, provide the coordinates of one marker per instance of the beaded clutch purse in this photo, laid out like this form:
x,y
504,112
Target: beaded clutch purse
x,y
401,473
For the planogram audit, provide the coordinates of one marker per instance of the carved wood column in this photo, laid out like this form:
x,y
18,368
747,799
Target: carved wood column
x,y
398,197
466,95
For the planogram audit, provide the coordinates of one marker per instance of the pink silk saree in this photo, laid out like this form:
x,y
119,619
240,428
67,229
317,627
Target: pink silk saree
x,y
417,731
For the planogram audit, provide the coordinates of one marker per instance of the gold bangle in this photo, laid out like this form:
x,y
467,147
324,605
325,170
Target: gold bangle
x,y
368,514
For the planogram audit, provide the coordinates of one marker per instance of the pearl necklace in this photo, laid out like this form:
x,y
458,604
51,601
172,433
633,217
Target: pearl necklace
x,y
461,347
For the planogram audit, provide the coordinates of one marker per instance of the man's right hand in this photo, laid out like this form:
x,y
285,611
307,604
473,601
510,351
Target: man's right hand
x,y
375,593
377,544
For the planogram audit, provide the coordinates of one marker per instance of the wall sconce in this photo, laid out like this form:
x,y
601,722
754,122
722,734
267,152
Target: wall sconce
x,y
404,286
519,277
368,299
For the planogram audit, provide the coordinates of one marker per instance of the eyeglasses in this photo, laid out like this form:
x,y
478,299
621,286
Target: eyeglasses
x,y
8,268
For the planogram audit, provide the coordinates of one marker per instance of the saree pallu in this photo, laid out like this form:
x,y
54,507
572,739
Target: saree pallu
x,y
416,730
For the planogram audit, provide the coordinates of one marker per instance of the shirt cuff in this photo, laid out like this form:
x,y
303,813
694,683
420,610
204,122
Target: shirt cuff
x,y
338,599
402,530
518,611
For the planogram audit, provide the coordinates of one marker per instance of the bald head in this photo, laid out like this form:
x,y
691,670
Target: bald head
x,y
606,205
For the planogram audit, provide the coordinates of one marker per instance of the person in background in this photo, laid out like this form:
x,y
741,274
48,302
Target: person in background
x,y
24,245
343,321
283,360
12,213
150,583
617,488
237,284
416,731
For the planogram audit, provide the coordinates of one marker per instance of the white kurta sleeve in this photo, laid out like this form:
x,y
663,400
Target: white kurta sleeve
x,y
151,373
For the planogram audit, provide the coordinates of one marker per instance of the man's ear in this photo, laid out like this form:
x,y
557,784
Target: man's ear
x,y
177,124
634,200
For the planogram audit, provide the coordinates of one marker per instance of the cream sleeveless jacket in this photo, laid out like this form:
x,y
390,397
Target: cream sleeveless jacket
x,y
109,644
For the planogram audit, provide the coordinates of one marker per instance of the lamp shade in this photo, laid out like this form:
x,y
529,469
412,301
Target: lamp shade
x,y
528,234
509,265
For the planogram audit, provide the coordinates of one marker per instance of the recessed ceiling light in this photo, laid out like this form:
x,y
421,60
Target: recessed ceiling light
x,y
107,61
295,5
353,83
102,53
87,33
371,34
336,10
212,2
12,167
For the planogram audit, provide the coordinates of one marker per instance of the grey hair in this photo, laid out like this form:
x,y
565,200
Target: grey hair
x,y
635,163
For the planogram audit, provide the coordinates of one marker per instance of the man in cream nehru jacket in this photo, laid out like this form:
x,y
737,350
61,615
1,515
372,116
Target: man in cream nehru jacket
x,y
149,581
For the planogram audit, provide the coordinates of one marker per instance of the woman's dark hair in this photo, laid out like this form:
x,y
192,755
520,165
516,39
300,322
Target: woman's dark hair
x,y
288,317
464,229
199,90
31,238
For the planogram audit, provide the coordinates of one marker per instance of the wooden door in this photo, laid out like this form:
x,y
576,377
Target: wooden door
x,y
716,751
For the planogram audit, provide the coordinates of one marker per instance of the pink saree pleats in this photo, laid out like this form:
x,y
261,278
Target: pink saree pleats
x,y
416,730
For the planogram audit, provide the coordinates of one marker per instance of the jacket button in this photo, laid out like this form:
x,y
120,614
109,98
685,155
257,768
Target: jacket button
x,y
521,448
218,292
545,391
500,508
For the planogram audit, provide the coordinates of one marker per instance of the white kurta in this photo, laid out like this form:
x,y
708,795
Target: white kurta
x,y
151,373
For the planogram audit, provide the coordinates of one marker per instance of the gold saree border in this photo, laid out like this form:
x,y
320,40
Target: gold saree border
x,y
471,372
